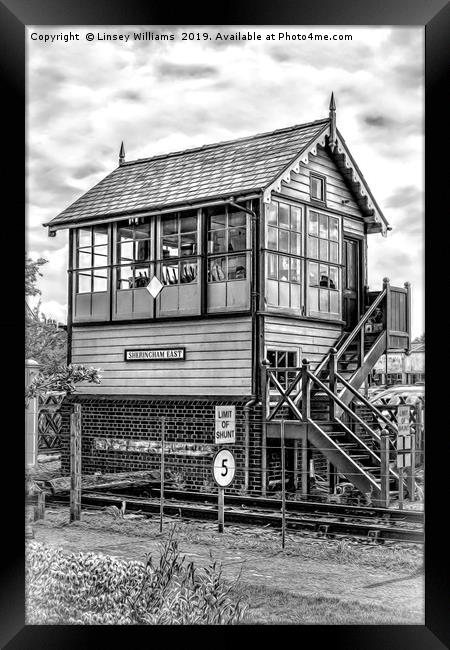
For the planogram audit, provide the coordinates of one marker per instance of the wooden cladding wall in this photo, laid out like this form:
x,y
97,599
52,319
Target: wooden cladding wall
x,y
336,189
218,357
312,339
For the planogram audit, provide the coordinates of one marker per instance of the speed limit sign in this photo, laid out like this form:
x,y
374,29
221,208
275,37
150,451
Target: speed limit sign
x,y
224,467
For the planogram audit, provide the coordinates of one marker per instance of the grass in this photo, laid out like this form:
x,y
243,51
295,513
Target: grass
x,y
277,607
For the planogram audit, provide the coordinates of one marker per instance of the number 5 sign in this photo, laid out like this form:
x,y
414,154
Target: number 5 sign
x,y
224,467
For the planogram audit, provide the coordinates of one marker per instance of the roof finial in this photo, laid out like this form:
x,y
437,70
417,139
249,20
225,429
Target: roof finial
x,y
333,135
121,154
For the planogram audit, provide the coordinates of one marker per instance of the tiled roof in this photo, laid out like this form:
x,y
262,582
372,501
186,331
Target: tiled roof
x,y
215,170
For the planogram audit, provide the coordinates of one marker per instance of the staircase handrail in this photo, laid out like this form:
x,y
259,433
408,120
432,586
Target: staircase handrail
x,y
344,407
366,402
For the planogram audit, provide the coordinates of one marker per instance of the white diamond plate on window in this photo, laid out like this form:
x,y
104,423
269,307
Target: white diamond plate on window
x,y
154,286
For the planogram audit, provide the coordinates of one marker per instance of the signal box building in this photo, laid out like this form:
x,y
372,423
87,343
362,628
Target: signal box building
x,y
258,248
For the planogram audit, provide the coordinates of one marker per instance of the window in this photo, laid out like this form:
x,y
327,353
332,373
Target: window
x,y
92,259
228,258
134,252
282,359
284,234
317,187
323,276
179,241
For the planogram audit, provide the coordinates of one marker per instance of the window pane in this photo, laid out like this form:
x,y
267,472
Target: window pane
x,y
313,299
125,277
283,268
323,299
237,239
272,266
217,241
313,274
84,283
100,280
284,294
188,223
334,229
237,267
170,247
295,219
217,218
100,255
169,273
236,218
295,270
188,271
188,244
281,359
217,269
334,283
323,254
292,359
283,215
141,277
271,358
143,250
272,292
295,296
324,278
100,235
84,237
142,231
295,243
317,188
124,233
313,247
169,225
334,302
313,223
125,253
84,259
323,225
283,241
272,213
334,250
272,238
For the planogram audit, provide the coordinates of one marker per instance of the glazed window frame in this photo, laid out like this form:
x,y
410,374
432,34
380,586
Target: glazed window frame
x,y
134,245
281,357
324,237
318,180
88,250
284,255
185,266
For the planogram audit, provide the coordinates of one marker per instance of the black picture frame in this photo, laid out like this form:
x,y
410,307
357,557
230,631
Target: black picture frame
x,y
433,15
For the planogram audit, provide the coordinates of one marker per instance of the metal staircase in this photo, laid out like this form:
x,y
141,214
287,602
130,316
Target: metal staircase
x,y
317,406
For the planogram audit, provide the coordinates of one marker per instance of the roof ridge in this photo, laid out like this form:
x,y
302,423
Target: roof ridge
x,y
213,145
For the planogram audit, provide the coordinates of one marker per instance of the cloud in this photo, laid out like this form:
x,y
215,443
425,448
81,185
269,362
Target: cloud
x,y
185,71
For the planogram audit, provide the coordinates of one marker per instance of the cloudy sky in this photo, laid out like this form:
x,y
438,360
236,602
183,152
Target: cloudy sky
x,y
84,97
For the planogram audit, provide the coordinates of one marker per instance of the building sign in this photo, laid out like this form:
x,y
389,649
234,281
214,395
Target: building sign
x,y
225,430
156,354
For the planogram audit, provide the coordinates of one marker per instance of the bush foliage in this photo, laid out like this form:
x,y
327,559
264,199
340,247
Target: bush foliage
x,y
90,589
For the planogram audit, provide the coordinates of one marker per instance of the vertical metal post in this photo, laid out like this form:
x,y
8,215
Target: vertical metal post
x,y
283,486
411,471
332,367
384,474
265,404
221,508
400,488
295,468
75,463
161,491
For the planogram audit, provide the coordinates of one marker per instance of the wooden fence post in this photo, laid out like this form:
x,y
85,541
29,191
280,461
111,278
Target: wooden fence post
x,y
306,412
75,463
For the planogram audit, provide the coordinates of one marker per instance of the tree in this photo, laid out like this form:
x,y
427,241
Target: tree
x,y
420,339
64,379
45,341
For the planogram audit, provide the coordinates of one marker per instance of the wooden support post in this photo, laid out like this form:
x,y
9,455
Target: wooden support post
x,y
265,402
387,317
306,413
295,468
384,474
331,476
411,471
75,463
31,417
408,312
221,508
161,491
283,486
39,511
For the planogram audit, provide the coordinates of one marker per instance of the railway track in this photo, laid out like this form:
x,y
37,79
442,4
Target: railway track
x,y
322,519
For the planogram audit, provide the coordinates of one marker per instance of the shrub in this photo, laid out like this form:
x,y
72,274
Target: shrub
x,y
90,589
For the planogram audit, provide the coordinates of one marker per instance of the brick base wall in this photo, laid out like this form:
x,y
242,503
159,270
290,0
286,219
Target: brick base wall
x,y
113,428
